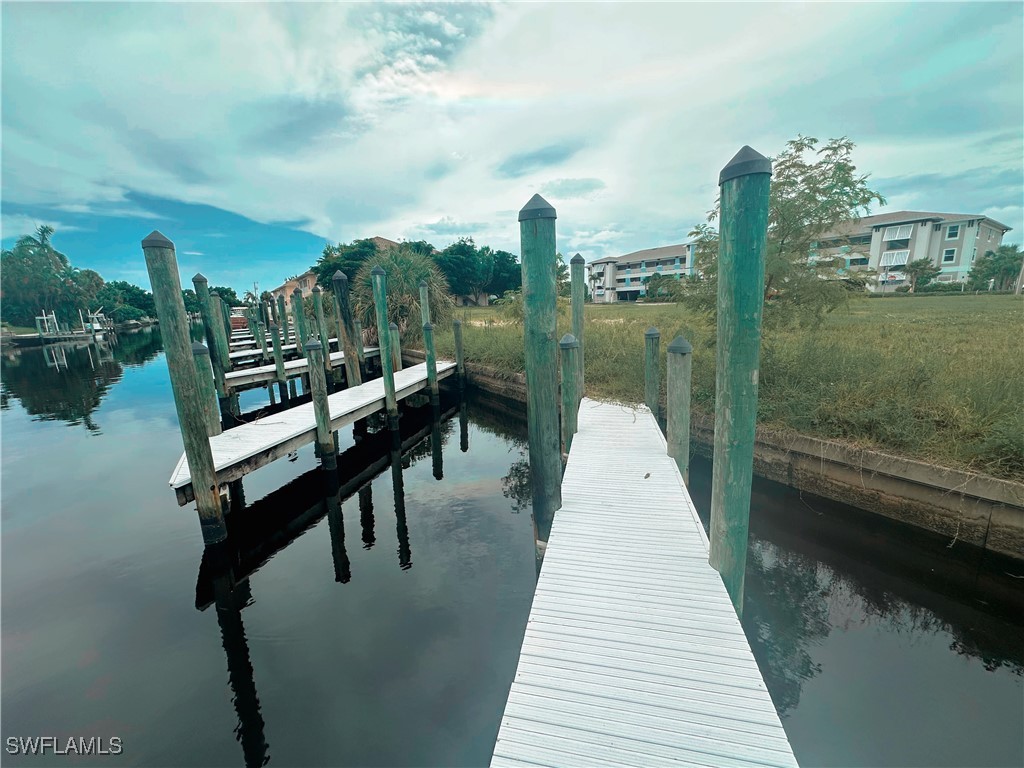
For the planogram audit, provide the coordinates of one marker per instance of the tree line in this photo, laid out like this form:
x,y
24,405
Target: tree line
x,y
35,277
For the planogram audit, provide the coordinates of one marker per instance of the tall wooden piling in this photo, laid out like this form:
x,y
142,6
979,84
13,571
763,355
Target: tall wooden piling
x,y
162,265
744,184
578,295
346,329
223,337
261,331
207,391
380,303
431,355
360,352
677,403
537,239
282,314
652,369
396,347
321,409
424,302
321,329
300,322
570,349
201,285
460,356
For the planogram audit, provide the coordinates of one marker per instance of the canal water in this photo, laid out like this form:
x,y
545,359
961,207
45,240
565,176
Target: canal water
x,y
380,626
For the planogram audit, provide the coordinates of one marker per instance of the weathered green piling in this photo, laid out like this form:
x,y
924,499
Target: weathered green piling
x,y
396,347
213,344
380,303
652,369
207,391
460,356
570,349
431,355
424,302
225,313
677,402
537,238
346,329
321,327
282,314
162,265
261,331
578,295
282,377
360,352
223,337
744,184
321,408
300,322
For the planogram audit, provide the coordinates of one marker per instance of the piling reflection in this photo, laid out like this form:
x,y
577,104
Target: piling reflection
x,y
398,486
436,445
366,515
464,426
336,527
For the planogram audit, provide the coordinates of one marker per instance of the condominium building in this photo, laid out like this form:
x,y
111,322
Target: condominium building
x,y
624,278
889,241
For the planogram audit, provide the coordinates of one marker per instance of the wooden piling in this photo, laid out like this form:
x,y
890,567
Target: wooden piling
x,y
347,330
261,330
223,338
652,369
321,408
282,313
578,295
380,303
570,349
282,377
207,391
213,344
360,352
537,238
460,356
300,322
322,332
162,265
424,302
744,184
677,404
431,355
396,347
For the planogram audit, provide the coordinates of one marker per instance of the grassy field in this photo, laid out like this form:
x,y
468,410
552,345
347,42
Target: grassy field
x,y
938,378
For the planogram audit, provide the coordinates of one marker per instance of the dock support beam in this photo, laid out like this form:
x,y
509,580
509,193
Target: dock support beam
x,y
570,348
460,355
677,397
207,393
652,369
744,186
579,295
380,303
321,409
162,265
537,245
346,330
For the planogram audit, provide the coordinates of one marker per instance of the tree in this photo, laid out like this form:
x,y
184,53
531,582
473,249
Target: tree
x,y
348,258
813,191
33,277
467,268
662,288
921,272
506,275
1003,266
405,268
228,295
192,304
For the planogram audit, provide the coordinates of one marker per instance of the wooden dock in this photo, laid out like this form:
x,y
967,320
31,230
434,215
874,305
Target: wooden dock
x,y
254,351
265,374
633,653
248,447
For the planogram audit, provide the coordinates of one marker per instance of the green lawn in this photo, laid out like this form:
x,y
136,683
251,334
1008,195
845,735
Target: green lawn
x,y
937,378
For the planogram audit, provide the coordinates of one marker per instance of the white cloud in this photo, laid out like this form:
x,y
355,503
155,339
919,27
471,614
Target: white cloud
x,y
14,225
364,120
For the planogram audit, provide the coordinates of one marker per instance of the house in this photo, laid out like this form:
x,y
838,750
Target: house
x,y
889,241
622,278
303,282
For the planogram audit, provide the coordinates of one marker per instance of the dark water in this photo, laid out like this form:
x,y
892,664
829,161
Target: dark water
x,y
354,630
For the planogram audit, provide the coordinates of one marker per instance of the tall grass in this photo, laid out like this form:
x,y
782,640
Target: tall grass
x,y
941,380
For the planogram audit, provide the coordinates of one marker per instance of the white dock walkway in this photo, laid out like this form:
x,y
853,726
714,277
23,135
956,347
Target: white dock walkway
x,y
292,368
633,654
247,447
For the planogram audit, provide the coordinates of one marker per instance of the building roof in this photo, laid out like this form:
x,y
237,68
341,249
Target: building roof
x,y
648,254
866,223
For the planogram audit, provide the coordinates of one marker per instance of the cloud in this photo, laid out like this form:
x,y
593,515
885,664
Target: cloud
x,y
449,226
567,189
193,253
523,163
14,225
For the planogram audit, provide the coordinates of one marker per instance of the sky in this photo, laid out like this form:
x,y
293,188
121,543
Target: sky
x,y
252,134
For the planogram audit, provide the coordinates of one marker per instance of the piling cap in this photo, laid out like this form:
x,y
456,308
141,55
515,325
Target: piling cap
x,y
296,290
537,208
745,162
577,259
156,240
680,346
423,283
458,322
428,327
378,270
214,295
313,346
392,326
340,276
200,278
652,333
568,342
316,289
198,348
274,328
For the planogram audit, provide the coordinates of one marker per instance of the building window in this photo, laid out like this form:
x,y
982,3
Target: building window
x,y
859,261
947,278
902,232
948,255
952,231
894,258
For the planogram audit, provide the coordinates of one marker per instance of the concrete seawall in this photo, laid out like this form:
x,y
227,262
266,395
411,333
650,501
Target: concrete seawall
x,y
964,506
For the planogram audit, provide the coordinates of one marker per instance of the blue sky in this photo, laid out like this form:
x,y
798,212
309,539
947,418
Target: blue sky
x,y
251,134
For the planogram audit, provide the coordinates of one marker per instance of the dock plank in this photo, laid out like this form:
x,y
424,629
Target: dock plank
x,y
293,368
633,654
